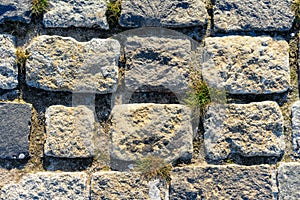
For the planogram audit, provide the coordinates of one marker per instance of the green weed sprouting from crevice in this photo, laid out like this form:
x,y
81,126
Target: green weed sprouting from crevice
x,y
154,167
199,96
22,55
113,12
39,6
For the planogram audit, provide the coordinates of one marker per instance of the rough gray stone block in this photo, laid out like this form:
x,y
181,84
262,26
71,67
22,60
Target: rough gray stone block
x,y
288,181
249,130
223,182
15,122
253,15
169,13
63,64
157,61
69,132
142,130
47,185
296,126
118,185
8,66
246,65
15,10
78,13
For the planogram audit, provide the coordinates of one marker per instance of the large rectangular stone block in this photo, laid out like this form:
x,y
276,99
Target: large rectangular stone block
x,y
248,130
48,185
168,13
155,62
253,15
63,64
142,130
120,185
246,65
62,13
223,182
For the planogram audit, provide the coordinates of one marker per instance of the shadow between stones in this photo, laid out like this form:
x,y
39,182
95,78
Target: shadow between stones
x,y
280,98
66,164
13,164
161,95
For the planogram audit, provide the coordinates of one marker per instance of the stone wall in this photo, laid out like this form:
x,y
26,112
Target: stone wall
x,y
92,108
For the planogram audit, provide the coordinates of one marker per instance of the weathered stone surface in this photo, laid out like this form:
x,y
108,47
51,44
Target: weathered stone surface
x,y
69,132
15,121
246,65
142,130
153,62
249,130
268,15
45,185
288,181
169,13
8,66
63,64
76,13
296,126
120,185
15,10
223,182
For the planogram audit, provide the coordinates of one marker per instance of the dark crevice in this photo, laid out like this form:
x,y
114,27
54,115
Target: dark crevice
x,y
66,164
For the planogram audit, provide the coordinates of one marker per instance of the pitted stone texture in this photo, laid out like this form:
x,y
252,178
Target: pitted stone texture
x,y
223,182
15,10
142,130
63,64
288,181
249,130
8,66
69,132
253,15
246,65
78,13
120,185
169,13
296,126
155,62
45,185
15,121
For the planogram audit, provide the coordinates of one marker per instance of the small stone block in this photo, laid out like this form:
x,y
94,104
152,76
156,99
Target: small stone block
x,y
15,122
69,132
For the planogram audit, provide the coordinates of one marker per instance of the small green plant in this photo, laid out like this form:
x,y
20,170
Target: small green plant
x,y
22,56
154,167
199,96
39,6
113,11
